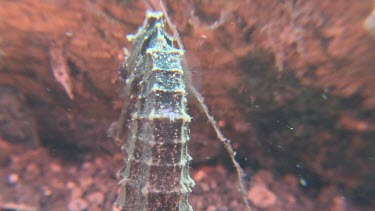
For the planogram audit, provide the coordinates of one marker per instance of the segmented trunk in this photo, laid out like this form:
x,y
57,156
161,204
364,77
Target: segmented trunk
x,y
156,173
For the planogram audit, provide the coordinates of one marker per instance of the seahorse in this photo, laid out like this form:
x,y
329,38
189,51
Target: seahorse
x,y
156,172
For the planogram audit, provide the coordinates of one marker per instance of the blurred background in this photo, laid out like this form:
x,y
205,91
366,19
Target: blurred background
x,y
290,82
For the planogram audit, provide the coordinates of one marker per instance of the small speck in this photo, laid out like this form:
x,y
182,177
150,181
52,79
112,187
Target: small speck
x,y
369,23
302,182
13,178
46,191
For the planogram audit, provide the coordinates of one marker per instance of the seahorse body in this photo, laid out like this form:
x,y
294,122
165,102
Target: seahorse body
x,y
156,173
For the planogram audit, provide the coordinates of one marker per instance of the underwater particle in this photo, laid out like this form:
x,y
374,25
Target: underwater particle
x,y
325,94
13,178
221,123
302,182
339,203
68,34
289,127
60,70
369,23
46,191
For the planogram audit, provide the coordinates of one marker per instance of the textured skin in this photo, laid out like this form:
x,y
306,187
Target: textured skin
x,y
156,173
